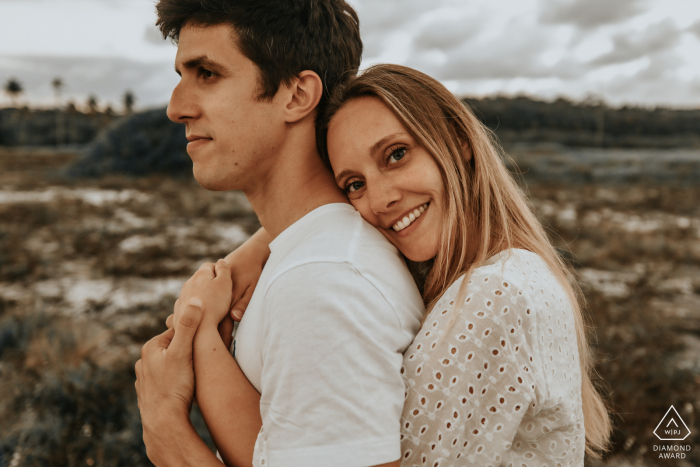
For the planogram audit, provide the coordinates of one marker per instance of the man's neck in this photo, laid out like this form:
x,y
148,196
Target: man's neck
x,y
297,183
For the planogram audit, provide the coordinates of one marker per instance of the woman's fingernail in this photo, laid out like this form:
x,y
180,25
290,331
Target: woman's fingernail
x,y
238,314
195,302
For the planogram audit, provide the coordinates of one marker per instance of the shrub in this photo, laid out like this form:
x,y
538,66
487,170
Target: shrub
x,y
142,144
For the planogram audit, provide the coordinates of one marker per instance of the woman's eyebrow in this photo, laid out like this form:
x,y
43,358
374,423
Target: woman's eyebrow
x,y
382,142
372,152
342,175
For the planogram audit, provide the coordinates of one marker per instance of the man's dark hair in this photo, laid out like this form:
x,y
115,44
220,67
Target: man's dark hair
x,y
282,37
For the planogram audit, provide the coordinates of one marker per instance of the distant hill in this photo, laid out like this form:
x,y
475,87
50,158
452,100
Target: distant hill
x,y
150,143
523,119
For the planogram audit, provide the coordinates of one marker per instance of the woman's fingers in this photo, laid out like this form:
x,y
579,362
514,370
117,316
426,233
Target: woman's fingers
x,y
169,321
207,267
239,307
223,271
226,330
205,270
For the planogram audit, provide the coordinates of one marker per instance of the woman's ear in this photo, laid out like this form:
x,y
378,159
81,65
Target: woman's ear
x,y
304,95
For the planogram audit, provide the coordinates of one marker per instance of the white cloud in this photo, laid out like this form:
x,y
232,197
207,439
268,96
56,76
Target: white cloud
x,y
152,35
695,29
588,14
627,47
105,77
640,51
447,33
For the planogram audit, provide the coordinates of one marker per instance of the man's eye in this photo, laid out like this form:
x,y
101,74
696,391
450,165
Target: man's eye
x,y
207,74
396,155
354,186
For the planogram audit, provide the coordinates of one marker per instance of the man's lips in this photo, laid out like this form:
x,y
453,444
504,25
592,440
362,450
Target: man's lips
x,y
195,142
193,138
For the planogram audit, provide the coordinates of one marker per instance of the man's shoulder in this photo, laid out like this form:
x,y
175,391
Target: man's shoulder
x,y
317,277
358,256
338,234
336,254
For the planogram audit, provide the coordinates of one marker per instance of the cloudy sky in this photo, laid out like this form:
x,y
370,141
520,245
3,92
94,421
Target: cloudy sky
x,y
625,51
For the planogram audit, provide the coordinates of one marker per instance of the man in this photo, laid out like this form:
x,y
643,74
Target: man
x,y
323,336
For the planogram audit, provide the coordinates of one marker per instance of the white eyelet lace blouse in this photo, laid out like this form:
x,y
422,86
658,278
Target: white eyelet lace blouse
x,y
496,381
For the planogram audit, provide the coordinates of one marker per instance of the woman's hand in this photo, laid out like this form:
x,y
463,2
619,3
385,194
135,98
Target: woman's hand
x,y
225,326
247,262
211,286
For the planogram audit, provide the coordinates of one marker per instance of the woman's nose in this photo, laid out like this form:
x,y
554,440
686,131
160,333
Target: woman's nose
x,y
383,194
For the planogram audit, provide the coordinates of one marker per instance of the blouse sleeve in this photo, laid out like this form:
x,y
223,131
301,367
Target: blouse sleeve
x,y
484,369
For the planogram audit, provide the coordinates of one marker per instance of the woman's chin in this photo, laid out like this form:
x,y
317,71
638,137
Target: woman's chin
x,y
415,251
419,255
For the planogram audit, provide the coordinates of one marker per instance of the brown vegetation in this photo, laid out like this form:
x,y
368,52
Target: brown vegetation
x,y
89,269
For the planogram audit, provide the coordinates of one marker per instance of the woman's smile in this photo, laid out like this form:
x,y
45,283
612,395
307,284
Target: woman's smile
x,y
410,218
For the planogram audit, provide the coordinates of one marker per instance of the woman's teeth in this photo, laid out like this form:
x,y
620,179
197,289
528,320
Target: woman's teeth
x,y
408,220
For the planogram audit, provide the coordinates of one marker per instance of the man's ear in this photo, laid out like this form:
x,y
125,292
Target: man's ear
x,y
303,96
467,150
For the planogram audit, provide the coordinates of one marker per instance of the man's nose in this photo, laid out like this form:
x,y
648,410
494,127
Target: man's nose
x,y
181,106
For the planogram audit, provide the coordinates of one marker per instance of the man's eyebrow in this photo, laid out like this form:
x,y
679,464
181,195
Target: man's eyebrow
x,y
201,61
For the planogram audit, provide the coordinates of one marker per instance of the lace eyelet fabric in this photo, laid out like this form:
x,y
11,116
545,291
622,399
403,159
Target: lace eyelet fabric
x,y
496,380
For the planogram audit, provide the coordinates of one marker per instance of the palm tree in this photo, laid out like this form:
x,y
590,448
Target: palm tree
x,y
57,84
92,104
129,100
13,88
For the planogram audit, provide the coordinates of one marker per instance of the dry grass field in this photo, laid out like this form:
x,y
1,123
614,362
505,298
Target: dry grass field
x,y
90,268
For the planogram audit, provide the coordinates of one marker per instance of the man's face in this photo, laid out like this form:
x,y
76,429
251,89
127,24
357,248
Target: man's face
x,y
232,133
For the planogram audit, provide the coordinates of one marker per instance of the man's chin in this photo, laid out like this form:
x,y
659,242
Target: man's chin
x,y
208,181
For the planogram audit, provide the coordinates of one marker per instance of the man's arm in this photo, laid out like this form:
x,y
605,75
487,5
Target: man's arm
x,y
174,442
165,387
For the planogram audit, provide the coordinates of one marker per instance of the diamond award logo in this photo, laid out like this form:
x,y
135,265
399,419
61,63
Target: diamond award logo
x,y
672,427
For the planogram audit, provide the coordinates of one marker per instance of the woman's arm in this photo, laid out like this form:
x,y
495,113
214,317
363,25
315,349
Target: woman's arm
x,y
229,403
247,262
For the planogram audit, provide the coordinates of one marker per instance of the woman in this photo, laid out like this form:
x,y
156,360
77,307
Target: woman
x,y
500,372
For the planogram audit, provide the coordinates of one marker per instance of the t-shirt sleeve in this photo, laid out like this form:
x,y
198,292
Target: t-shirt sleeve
x,y
485,373
332,392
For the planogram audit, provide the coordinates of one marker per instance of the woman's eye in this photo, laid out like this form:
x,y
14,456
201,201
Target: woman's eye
x,y
354,186
396,155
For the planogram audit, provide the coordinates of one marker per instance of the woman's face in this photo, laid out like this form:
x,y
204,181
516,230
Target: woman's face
x,y
392,181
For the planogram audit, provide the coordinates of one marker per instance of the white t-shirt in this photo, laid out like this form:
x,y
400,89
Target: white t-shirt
x,y
322,340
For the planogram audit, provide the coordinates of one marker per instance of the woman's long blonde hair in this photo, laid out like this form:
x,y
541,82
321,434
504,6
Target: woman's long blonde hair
x,y
487,212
